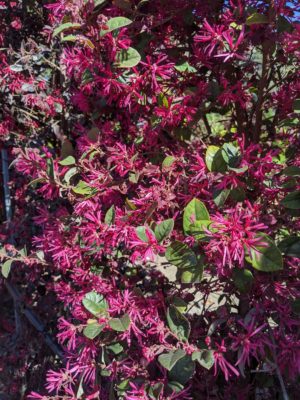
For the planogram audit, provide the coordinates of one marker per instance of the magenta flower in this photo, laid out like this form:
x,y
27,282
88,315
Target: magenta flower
x,y
231,236
145,250
221,362
247,345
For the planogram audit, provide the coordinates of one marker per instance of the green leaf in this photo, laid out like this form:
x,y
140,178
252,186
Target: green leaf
x,y
65,26
70,173
237,194
95,303
120,324
93,330
127,58
220,196
99,2
194,211
296,306
116,348
110,216
290,246
214,159
5,269
185,67
183,370
240,170
292,170
168,161
181,255
180,304
35,181
296,105
178,324
84,189
192,275
155,391
164,229
141,233
204,357
243,279
197,229
133,177
257,18
292,200
175,386
69,38
70,160
115,23
80,390
162,100
182,133
266,258
231,155
123,385
283,25
168,360
50,168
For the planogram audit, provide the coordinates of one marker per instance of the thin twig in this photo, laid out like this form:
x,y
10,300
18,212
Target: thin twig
x,y
275,365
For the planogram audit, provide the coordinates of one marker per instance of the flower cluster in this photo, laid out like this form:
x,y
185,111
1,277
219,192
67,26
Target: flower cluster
x,y
155,167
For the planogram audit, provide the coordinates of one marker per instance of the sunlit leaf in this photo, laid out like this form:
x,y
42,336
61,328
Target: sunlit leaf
x,y
95,303
127,58
164,229
194,211
6,267
115,23
66,26
93,330
120,324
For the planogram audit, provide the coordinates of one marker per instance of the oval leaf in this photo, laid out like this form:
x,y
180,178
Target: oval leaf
x,y
192,275
169,360
178,324
164,229
64,27
266,257
290,246
292,201
93,330
70,160
120,324
168,161
214,159
110,216
292,170
181,255
194,211
231,155
141,233
127,58
243,279
5,269
84,189
115,23
183,370
256,18
204,357
95,303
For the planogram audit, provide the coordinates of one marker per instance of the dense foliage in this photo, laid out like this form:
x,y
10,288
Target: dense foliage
x,y
156,196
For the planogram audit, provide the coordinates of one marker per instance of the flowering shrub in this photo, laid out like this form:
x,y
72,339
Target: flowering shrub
x,y
156,193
